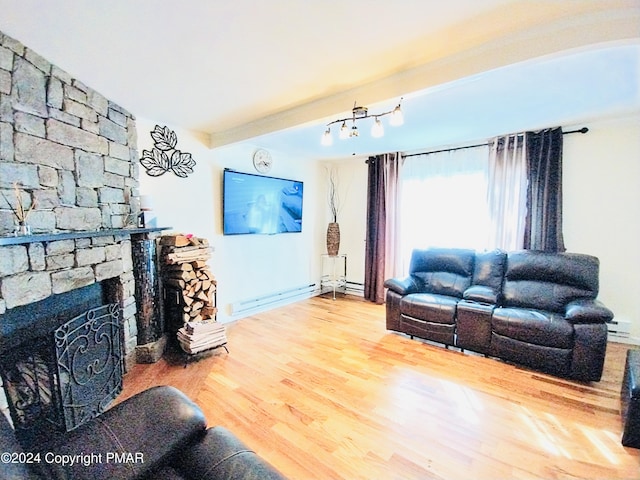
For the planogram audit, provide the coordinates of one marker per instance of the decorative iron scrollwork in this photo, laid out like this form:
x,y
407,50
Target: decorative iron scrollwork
x,y
164,156
89,363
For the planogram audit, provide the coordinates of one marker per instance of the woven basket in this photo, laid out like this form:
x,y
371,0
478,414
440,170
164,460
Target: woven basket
x,y
333,238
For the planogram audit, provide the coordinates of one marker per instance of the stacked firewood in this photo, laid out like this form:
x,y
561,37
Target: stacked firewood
x,y
186,269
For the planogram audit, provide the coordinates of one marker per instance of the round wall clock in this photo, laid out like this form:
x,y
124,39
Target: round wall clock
x,y
262,160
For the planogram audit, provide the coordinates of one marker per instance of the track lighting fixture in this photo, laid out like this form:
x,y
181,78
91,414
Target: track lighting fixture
x,y
360,113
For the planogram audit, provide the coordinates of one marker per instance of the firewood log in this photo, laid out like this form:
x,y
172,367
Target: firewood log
x,y
180,267
174,240
197,305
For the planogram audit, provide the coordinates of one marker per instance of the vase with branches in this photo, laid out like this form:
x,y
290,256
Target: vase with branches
x,y
20,212
333,198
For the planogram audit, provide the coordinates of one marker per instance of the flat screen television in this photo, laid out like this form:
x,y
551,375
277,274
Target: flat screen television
x,y
257,204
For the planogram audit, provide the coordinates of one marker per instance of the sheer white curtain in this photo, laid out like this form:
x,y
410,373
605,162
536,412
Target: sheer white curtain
x,y
393,258
444,201
507,192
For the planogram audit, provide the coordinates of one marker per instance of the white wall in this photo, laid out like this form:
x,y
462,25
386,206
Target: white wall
x,y
245,266
352,185
601,214
602,209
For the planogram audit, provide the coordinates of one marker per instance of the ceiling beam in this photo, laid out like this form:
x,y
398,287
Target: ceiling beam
x,y
573,27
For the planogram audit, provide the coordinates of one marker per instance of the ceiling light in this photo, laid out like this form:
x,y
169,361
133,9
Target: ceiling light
x,y
327,139
344,131
397,118
377,130
360,113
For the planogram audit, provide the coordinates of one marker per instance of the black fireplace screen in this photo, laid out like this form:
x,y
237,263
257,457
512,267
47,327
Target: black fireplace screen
x,y
90,362
67,378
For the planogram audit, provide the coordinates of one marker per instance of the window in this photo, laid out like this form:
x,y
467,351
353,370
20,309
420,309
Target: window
x,y
443,198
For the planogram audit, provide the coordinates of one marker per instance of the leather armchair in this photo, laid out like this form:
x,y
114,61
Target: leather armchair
x,y
157,434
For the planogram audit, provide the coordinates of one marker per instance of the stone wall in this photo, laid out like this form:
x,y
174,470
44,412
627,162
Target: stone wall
x,y
72,154
71,151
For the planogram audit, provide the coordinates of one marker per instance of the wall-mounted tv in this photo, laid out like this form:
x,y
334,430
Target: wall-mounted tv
x,y
256,204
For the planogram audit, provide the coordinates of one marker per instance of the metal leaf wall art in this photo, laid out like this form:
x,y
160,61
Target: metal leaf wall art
x,y
164,156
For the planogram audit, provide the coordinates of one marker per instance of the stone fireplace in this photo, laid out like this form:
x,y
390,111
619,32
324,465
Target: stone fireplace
x,y
49,282
68,157
40,266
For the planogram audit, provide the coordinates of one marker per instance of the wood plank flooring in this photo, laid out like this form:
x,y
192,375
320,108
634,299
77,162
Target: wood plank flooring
x,y
321,390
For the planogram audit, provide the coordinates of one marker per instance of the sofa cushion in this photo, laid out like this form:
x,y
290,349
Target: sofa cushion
x,y
533,326
548,281
426,306
481,294
443,271
233,459
166,472
556,361
488,272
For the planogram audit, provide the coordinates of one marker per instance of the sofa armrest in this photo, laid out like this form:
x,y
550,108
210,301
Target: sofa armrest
x,y
403,286
220,454
587,310
144,430
481,294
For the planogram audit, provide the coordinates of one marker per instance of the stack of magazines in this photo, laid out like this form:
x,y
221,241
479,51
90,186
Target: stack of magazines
x,y
197,337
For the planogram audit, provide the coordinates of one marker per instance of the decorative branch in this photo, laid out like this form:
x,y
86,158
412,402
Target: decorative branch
x,y
164,156
334,195
19,210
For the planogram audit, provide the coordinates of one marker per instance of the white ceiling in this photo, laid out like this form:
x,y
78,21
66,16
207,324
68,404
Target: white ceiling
x,y
274,72
569,90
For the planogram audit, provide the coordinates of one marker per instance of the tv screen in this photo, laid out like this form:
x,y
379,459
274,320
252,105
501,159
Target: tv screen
x,y
256,204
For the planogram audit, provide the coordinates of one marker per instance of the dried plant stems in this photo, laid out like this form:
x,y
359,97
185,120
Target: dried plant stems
x,y
19,211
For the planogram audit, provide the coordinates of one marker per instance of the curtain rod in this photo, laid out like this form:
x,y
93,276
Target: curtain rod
x,y
580,130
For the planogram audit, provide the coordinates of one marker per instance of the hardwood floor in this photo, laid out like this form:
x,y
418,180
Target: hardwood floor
x,y
322,391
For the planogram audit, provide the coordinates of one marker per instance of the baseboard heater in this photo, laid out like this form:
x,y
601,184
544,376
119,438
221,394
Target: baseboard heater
x,y
244,306
620,329
354,288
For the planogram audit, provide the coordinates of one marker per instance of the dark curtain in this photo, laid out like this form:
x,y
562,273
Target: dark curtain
x,y
374,261
543,228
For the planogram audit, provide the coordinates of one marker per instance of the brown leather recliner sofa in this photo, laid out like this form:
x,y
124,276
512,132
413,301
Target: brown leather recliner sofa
x,y
531,308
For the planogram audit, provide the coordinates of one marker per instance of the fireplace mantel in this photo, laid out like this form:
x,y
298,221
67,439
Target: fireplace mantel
x,y
52,237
